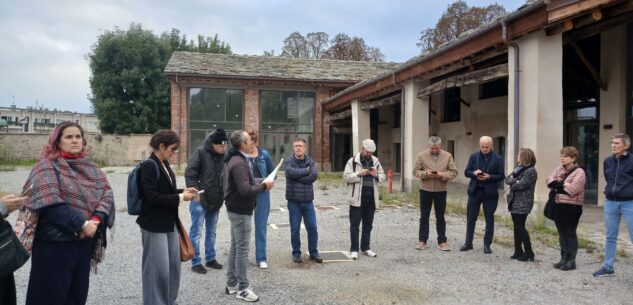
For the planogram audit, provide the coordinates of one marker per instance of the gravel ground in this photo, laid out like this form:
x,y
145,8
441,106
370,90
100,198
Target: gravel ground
x,y
399,275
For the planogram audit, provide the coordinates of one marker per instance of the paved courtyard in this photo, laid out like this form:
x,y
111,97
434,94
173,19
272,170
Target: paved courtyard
x,y
399,275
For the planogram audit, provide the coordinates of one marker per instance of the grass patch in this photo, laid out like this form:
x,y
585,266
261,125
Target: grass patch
x,y
331,177
12,162
399,198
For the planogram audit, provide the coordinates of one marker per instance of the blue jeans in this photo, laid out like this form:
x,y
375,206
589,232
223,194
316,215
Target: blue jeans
x,y
613,212
262,210
305,210
200,216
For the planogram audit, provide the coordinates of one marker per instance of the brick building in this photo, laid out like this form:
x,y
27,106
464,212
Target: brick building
x,y
279,97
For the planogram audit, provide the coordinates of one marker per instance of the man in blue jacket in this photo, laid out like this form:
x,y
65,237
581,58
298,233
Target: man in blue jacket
x,y
301,173
485,170
618,171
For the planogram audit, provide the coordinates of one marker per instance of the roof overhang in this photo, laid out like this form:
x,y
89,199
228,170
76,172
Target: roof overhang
x,y
539,15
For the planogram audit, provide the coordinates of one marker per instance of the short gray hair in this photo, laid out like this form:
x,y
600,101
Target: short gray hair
x,y
238,138
435,140
625,138
485,139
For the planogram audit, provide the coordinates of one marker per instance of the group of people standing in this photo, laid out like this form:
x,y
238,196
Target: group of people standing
x,y
434,167
74,206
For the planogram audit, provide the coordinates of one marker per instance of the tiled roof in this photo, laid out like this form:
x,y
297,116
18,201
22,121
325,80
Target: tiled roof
x,y
247,66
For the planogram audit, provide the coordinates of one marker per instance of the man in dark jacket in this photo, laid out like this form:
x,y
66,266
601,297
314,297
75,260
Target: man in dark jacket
x,y
240,192
618,171
203,172
301,173
485,169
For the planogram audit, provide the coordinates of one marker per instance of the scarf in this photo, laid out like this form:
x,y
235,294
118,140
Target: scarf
x,y
77,182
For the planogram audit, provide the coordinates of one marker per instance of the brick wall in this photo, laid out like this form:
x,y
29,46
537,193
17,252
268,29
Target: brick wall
x,y
322,142
251,109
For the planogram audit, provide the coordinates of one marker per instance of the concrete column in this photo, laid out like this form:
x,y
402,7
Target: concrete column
x,y
613,101
541,103
416,129
360,125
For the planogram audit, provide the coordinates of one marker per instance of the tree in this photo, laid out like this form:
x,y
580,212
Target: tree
x,y
344,47
341,47
295,46
316,44
129,93
457,19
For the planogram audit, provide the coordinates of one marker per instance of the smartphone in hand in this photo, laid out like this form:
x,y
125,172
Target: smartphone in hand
x,y
434,172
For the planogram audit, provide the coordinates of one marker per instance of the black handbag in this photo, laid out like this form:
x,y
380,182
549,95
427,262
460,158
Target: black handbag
x,y
548,210
12,253
550,205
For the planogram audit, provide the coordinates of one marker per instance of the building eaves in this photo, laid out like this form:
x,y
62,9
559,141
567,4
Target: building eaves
x,y
420,59
272,68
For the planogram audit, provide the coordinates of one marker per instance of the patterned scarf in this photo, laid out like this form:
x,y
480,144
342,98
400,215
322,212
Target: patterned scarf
x,y
78,183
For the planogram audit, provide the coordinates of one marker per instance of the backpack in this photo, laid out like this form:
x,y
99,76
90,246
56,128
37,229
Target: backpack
x,y
134,197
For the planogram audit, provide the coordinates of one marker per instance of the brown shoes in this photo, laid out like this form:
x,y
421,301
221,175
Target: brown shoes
x,y
421,245
444,247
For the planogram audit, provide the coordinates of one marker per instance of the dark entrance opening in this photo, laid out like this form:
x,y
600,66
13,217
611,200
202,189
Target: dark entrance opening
x,y
581,108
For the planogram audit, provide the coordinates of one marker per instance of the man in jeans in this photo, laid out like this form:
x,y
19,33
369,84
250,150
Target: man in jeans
x,y
203,172
618,171
301,173
434,167
240,191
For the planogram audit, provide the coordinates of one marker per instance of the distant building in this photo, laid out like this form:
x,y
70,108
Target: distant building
x,y
32,120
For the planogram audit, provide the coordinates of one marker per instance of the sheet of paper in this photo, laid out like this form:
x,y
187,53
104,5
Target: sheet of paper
x,y
272,175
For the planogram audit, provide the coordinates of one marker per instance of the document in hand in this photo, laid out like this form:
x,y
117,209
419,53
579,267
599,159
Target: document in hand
x,y
273,175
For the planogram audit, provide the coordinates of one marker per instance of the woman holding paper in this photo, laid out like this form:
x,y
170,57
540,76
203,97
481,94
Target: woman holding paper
x,y
262,165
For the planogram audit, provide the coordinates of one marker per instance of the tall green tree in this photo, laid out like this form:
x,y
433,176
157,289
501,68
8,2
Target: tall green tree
x,y
457,19
129,93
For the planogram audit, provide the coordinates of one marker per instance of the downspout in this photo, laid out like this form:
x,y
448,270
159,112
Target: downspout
x,y
514,46
402,129
180,117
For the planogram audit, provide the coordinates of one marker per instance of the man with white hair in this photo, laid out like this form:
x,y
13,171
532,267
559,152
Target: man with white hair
x,y
434,167
485,170
363,173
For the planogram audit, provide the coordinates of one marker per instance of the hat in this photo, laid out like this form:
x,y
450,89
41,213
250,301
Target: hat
x,y
369,145
219,137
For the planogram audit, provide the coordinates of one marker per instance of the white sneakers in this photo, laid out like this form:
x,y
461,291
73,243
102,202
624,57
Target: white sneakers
x,y
230,290
354,255
370,253
247,295
263,265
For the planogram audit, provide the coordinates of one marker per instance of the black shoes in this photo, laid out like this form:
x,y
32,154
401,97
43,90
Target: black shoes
x,y
199,269
214,264
487,249
296,259
316,258
466,247
568,264
562,260
526,257
516,255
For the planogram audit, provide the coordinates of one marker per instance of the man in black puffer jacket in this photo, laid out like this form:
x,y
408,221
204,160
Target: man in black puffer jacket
x,y
301,173
203,172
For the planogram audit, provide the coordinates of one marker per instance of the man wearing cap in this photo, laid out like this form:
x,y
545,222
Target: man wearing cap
x,y
362,174
203,172
434,167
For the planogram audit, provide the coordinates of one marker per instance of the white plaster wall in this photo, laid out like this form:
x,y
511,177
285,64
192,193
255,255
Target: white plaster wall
x,y
541,103
360,126
484,117
612,101
385,139
416,129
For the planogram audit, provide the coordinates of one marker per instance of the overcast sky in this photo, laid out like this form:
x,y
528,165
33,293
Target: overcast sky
x,y
43,43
